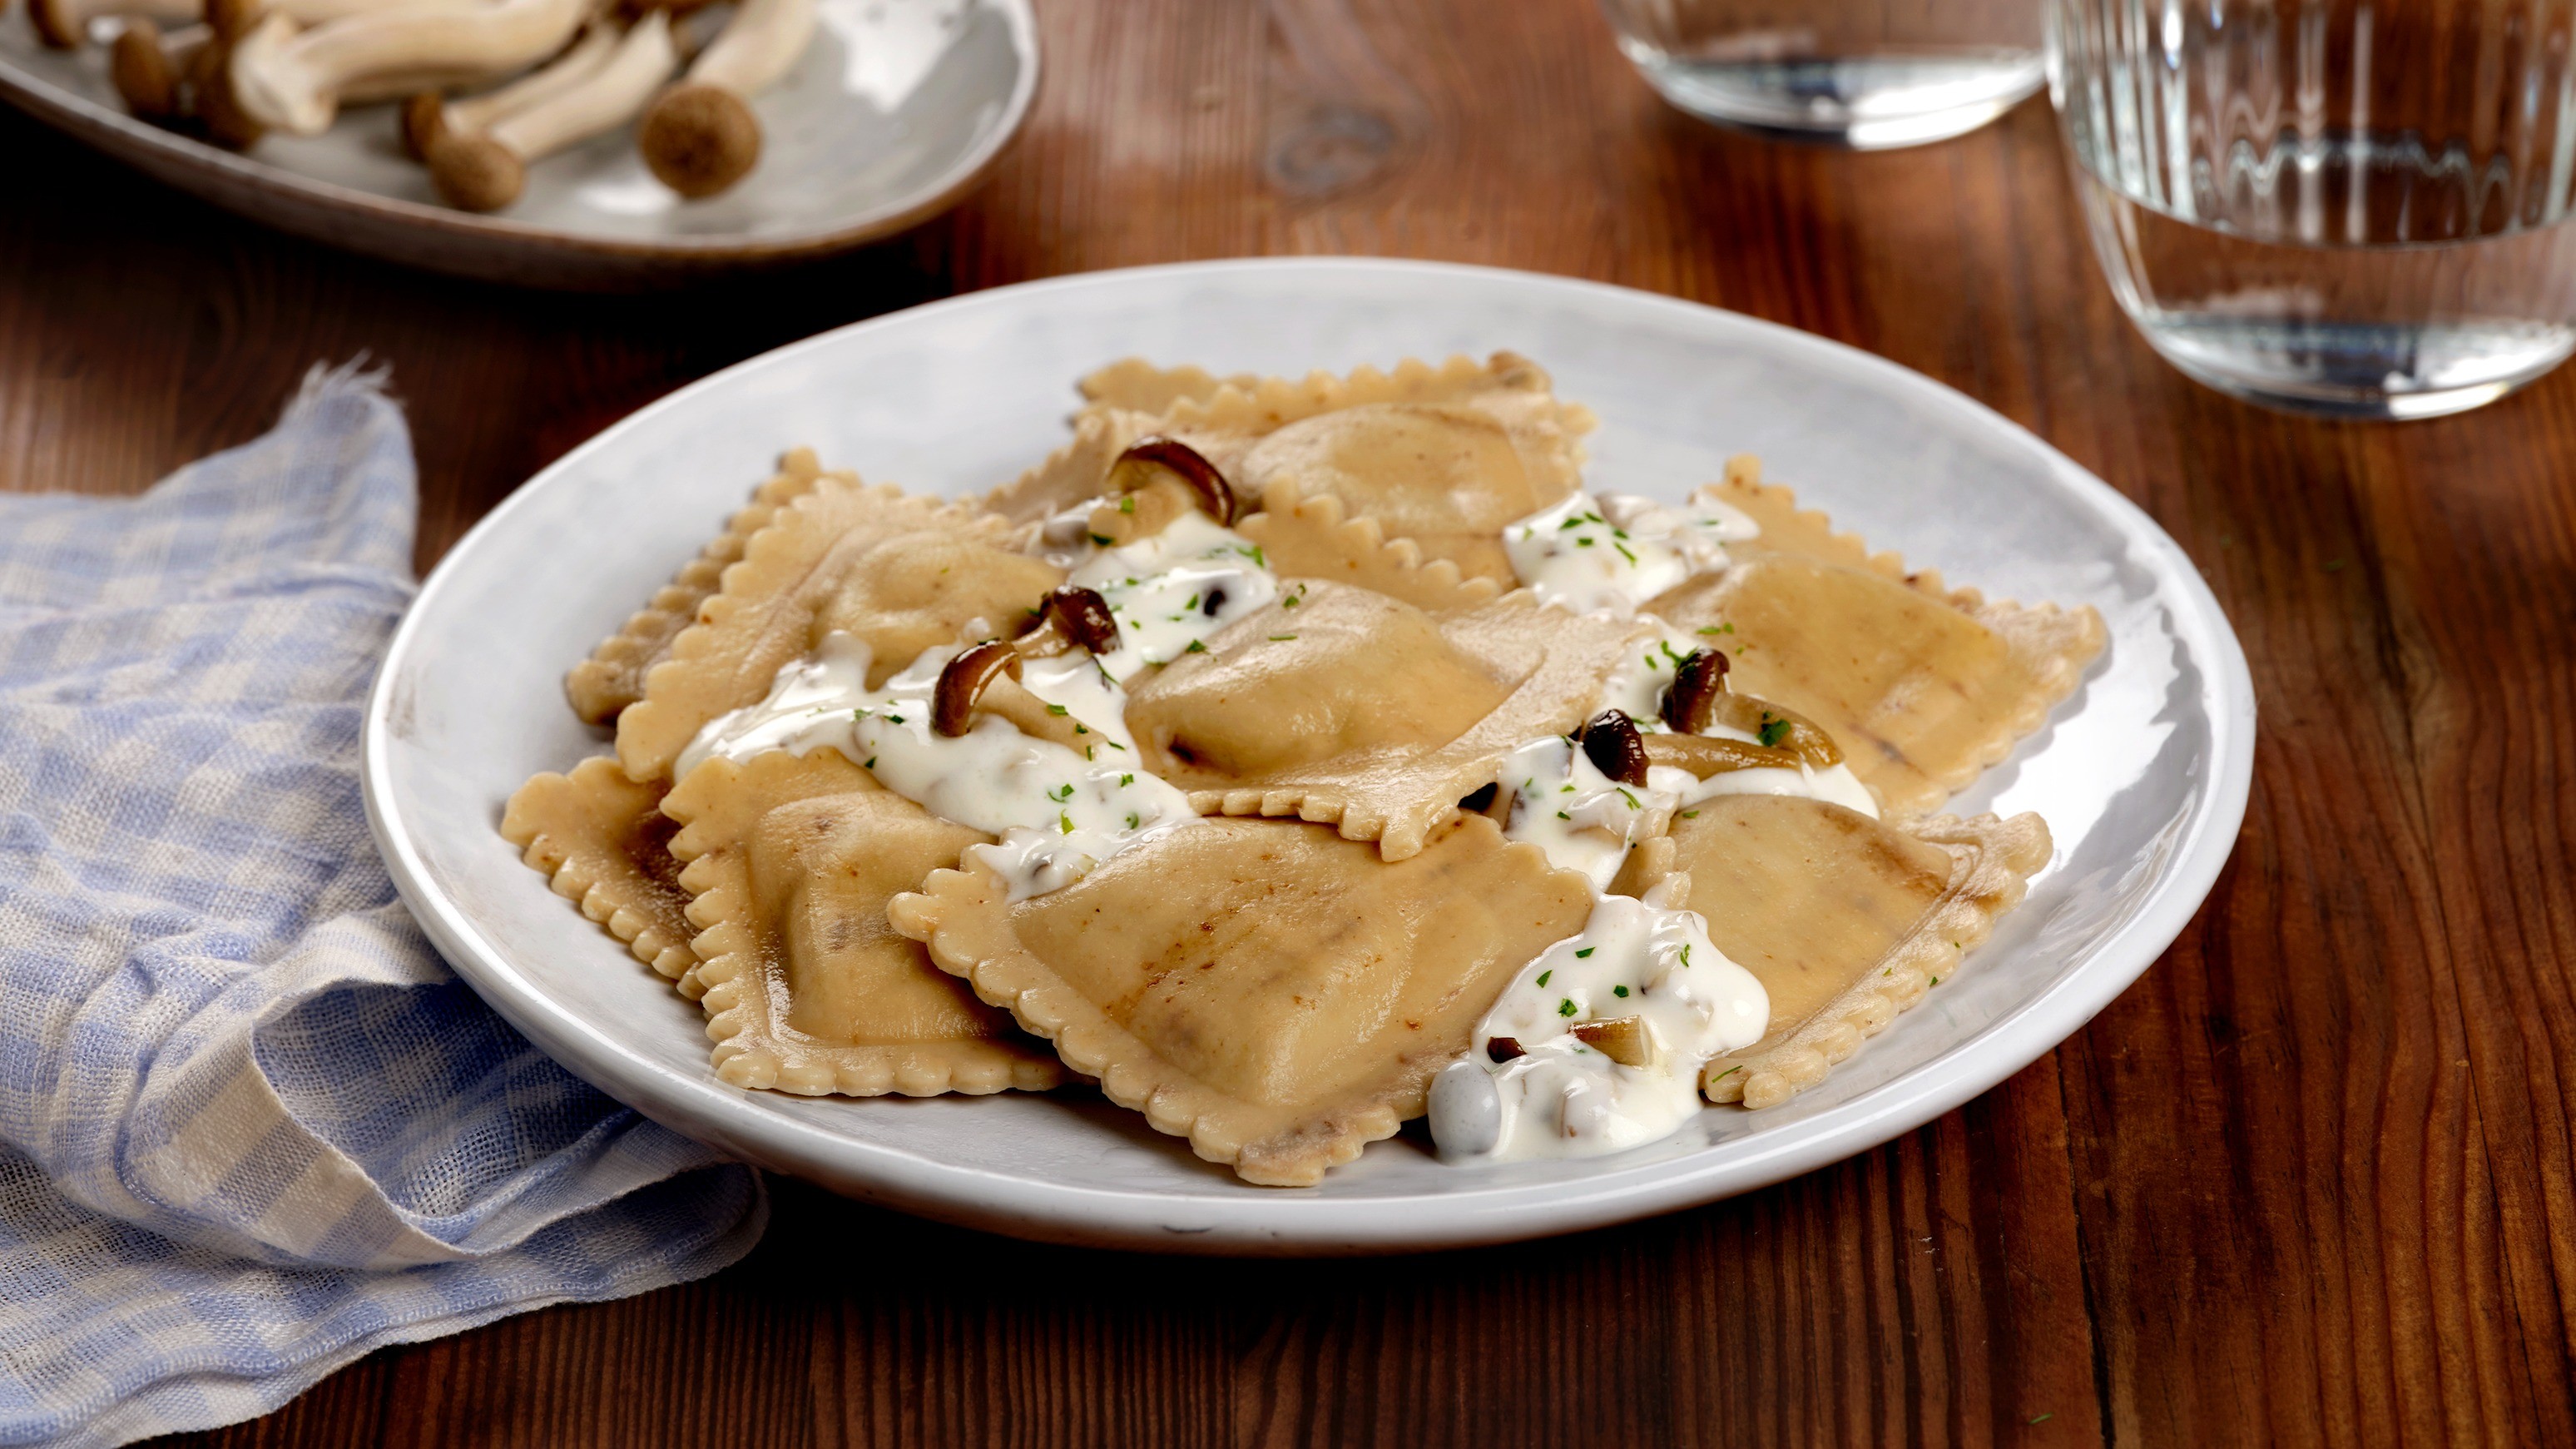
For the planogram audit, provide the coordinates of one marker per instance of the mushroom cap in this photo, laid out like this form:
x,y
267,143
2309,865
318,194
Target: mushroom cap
x,y
474,172
423,122
699,139
55,24
232,19
142,71
219,111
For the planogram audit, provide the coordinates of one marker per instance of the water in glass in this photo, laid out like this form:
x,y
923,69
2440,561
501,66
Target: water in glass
x,y
2330,206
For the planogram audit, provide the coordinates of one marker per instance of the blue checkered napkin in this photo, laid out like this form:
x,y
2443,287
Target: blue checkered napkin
x,y
250,1127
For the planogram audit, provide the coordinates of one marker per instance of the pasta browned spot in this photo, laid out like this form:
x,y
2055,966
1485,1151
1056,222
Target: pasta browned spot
x,y
603,843
1845,920
1288,1009
807,989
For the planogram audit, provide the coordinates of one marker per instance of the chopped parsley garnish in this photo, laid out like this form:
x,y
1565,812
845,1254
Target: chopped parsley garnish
x,y
1619,991
1569,523
1281,638
1113,744
1254,553
894,719
1131,819
1127,504
1686,956
1057,709
1585,541
1065,821
1586,951
1936,980
1195,648
1666,645
1623,552
1060,796
1542,977
1565,1007
1690,815
1192,603
1561,815
1102,540
1631,799
1082,729
1730,1071
871,764
1774,730
1125,780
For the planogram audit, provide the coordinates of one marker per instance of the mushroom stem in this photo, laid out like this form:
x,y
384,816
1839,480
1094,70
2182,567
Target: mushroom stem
x,y
292,80
233,19
426,114
485,170
701,137
962,684
147,66
1151,457
64,24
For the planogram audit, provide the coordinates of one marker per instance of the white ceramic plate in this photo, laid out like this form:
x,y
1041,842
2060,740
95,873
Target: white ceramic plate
x,y
898,108
2142,775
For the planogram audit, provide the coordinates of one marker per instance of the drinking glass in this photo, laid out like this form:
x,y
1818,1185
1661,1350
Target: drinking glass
x,y
2332,206
1863,73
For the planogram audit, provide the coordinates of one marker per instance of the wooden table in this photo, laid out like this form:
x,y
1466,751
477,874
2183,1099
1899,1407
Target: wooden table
x,y
2308,1181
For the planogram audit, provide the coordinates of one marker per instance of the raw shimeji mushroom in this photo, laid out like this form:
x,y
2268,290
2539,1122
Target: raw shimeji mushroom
x,y
483,169
294,80
147,67
428,114
701,136
65,24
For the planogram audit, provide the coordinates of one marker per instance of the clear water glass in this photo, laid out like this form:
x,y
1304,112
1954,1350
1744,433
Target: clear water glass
x,y
2331,206
1861,73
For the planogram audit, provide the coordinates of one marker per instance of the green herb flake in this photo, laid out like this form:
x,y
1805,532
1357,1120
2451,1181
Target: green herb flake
x,y
1686,957
1730,1071
894,719
871,764
1561,815
1623,552
1195,648
1774,731
1690,815
1127,504
1936,980
1619,991
1565,1007
1065,821
1586,951
1281,638
1131,819
1103,540
1057,709
1254,553
1586,541
1631,799
1542,977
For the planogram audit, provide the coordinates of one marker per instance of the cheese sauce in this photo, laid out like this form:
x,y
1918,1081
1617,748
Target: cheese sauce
x,y
1649,972
1617,551
1058,813
1171,591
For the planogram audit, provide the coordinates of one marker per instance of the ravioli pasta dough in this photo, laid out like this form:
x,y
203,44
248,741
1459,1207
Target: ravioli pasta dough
x,y
1296,756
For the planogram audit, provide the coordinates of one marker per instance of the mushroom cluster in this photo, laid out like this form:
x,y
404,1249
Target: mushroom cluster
x,y
488,87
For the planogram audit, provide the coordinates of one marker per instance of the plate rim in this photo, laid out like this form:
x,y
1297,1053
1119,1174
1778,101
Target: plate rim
x,y
108,129
1226,1223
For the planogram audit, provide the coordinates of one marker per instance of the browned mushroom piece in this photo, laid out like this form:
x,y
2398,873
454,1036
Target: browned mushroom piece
x,y
701,137
485,169
210,94
1612,742
1072,616
65,24
963,682
1623,1039
1706,755
1699,681
1501,1049
1149,458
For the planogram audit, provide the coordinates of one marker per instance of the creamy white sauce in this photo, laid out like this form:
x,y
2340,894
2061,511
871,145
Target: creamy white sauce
x,y
1617,551
1583,819
1561,1098
1059,814
1174,589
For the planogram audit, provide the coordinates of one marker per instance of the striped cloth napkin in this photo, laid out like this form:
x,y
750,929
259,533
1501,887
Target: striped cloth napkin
x,y
250,1126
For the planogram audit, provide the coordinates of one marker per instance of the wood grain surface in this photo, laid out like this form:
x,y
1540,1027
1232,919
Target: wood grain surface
x,y
2308,1182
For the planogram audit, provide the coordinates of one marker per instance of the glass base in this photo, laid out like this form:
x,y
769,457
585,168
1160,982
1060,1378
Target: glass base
x,y
1868,103
2361,373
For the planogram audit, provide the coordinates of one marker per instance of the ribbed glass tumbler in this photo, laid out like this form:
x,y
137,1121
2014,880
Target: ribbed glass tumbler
x,y
2331,206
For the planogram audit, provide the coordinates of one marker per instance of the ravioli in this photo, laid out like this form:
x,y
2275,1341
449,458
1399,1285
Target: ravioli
x,y
807,989
893,568
1288,1008
602,842
1337,704
1845,921
613,676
